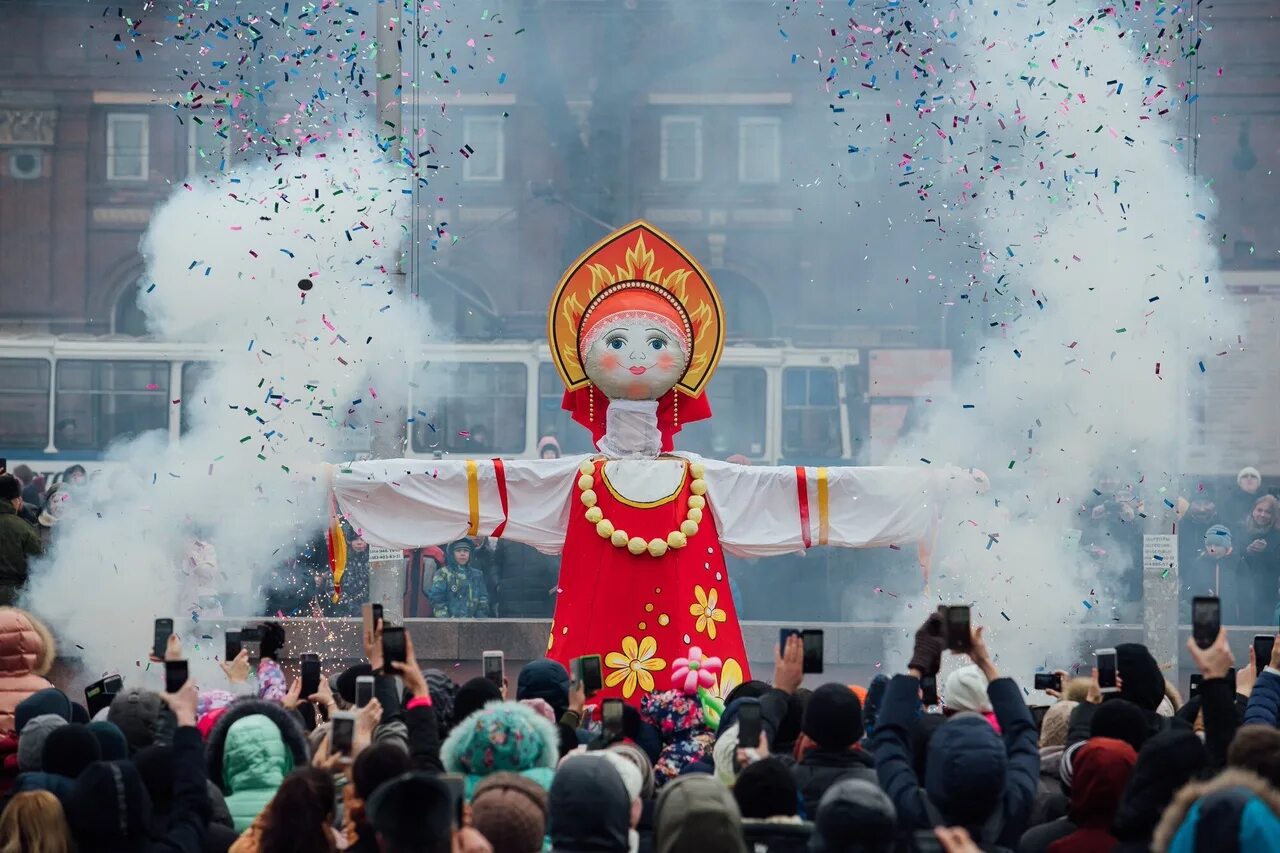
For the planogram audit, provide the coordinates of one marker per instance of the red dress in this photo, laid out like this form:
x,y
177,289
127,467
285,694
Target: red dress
x,y
639,612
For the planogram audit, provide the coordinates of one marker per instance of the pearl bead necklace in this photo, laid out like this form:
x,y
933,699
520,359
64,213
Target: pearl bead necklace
x,y
636,544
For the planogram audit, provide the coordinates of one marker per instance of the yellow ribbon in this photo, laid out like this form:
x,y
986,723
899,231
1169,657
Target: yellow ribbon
x,y
473,499
824,518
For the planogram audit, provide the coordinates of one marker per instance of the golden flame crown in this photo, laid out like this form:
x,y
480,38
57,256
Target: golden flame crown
x,y
637,252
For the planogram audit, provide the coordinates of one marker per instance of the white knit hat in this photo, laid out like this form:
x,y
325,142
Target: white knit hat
x,y
1248,470
966,690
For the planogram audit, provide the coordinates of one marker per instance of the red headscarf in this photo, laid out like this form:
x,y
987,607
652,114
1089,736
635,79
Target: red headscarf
x,y
1101,770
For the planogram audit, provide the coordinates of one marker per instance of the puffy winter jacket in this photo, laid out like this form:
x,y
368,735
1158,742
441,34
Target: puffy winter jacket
x,y
27,651
819,769
252,747
1264,701
972,776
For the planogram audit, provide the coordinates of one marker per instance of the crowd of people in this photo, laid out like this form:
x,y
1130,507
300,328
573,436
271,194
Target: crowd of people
x,y
415,762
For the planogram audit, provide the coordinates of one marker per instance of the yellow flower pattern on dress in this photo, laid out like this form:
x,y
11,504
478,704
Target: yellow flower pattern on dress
x,y
705,609
730,677
634,665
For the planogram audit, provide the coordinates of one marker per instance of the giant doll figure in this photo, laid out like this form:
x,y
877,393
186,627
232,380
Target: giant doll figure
x,y
636,329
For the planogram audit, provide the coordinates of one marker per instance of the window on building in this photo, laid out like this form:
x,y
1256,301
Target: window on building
x,y
681,149
739,401
759,150
24,403
194,373
207,147
484,138
128,146
482,409
810,412
99,402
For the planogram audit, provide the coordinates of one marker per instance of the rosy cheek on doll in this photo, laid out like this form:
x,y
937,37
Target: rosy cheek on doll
x,y
610,362
666,361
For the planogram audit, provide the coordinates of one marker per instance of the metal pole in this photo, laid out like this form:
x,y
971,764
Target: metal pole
x,y
387,567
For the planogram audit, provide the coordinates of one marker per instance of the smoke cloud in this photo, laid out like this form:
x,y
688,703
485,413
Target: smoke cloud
x,y
285,274
1092,299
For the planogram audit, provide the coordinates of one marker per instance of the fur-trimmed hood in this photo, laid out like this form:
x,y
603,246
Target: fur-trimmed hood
x,y
289,726
1236,808
503,736
27,652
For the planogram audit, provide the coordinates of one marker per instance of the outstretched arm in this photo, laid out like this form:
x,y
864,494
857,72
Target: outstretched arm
x,y
412,503
761,511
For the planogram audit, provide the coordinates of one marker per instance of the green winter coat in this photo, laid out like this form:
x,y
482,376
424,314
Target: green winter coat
x,y
18,541
255,761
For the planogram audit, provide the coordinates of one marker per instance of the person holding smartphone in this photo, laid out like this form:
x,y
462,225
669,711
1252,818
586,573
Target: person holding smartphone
x,y
965,753
1217,695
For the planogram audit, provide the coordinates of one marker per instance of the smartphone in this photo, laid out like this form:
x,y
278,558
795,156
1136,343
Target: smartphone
x,y
1194,689
494,667
1262,647
929,690
232,650
457,785
955,623
164,630
812,638
364,690
1206,620
371,614
251,639
1048,681
310,674
342,732
393,649
586,671
783,635
99,694
1105,661
611,718
749,726
175,675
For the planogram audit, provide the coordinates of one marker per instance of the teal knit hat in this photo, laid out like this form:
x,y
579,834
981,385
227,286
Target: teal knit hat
x,y
505,736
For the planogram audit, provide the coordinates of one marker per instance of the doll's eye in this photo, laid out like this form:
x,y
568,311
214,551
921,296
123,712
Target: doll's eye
x,y
615,343
657,343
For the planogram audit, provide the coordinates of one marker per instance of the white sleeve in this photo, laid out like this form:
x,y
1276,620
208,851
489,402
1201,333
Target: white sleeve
x,y
759,510
412,503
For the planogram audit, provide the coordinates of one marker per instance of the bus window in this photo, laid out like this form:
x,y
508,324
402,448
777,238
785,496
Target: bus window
x,y
739,401
100,401
24,403
810,412
193,374
555,421
481,409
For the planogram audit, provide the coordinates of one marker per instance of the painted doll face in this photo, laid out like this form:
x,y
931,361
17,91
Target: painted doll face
x,y
635,359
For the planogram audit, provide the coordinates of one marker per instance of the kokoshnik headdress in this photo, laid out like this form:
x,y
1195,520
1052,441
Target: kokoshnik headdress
x,y
636,272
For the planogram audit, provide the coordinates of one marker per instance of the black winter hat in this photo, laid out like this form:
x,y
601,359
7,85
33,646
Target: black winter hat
x,y
544,679
473,696
1122,720
833,717
412,810
1143,681
51,700
79,713
110,740
854,814
588,807
109,808
69,749
765,789
138,713
344,684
